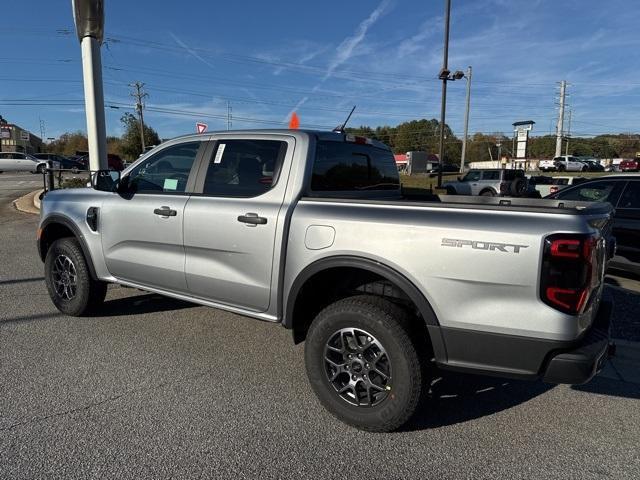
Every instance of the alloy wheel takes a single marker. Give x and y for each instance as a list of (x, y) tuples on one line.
[(65, 278), (358, 367)]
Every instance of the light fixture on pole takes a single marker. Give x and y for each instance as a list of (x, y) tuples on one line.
[(89, 19)]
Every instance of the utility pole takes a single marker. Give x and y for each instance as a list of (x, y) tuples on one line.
[(444, 75), (229, 115), (138, 94), (560, 126), (42, 129), (566, 148), (466, 121)]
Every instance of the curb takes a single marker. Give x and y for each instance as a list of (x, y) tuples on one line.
[(29, 203)]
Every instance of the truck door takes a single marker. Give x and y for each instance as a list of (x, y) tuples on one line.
[(231, 223), (141, 226)]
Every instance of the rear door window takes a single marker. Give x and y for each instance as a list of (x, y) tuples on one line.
[(244, 168), (342, 166), (491, 175)]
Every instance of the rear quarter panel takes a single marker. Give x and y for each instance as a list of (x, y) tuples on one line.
[(478, 289)]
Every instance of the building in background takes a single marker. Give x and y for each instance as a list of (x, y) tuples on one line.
[(16, 139)]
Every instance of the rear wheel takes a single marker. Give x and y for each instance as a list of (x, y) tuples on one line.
[(69, 281), (488, 193), (362, 364), (40, 169)]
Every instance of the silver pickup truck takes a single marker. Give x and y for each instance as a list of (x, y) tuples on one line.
[(312, 230)]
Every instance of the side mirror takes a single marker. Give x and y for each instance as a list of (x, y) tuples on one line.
[(105, 180)]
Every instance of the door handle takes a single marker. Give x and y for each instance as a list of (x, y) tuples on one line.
[(252, 219), (165, 212)]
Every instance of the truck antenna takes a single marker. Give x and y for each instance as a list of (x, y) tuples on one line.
[(340, 128)]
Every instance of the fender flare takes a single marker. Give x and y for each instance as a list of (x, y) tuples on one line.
[(491, 189), (68, 223), (423, 305)]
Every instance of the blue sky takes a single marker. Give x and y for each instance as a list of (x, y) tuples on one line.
[(320, 58)]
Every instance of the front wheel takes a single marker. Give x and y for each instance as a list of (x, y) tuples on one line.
[(69, 281), (363, 365)]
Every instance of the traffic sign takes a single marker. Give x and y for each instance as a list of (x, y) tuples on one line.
[(201, 127)]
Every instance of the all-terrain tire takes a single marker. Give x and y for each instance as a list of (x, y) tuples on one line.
[(388, 325), (69, 283)]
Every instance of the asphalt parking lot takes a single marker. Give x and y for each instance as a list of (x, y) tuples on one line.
[(157, 388)]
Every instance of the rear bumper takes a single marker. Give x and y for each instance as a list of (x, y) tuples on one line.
[(572, 362), (582, 362)]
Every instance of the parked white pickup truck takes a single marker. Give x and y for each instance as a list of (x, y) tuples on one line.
[(565, 163), (548, 185)]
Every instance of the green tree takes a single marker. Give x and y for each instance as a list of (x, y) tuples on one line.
[(69, 143), (130, 145)]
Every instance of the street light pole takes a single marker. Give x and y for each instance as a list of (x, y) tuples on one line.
[(89, 20), (444, 75), (466, 121)]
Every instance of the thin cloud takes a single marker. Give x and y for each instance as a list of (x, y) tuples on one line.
[(191, 51), (346, 48)]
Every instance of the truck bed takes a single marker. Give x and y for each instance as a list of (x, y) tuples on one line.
[(532, 205)]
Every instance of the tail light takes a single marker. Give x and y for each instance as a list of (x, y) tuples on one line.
[(553, 189), (570, 271)]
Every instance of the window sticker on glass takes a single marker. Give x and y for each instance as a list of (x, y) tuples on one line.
[(170, 184), (219, 153)]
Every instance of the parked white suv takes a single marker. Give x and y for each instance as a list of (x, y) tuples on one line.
[(565, 163), (23, 162), (490, 182)]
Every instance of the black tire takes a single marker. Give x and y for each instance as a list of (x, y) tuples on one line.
[(40, 169), (397, 396), (585, 169), (451, 191), (76, 298), (562, 168), (487, 193)]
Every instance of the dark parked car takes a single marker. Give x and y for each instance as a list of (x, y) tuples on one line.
[(65, 163), (623, 192), (446, 168), (630, 165), (592, 164), (114, 161)]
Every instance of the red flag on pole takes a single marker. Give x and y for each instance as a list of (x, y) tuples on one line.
[(294, 123)]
